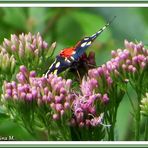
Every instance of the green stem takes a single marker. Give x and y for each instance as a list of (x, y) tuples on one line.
[(137, 117), (112, 132), (131, 102), (112, 120), (137, 130), (49, 137)]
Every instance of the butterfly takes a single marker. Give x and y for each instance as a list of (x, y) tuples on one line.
[(68, 56)]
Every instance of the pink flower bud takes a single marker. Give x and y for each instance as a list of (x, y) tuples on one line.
[(128, 62), (52, 105), (66, 105), (13, 48), (15, 97), (59, 107), (124, 67), (29, 96), (63, 91), (58, 99), (23, 96), (8, 86), (113, 53), (7, 42), (55, 117), (34, 93), (21, 78), (105, 98), (32, 74), (81, 124), (13, 83), (7, 96), (46, 90), (109, 81), (9, 92), (45, 45), (68, 83), (23, 69), (143, 64), (44, 98), (62, 112)]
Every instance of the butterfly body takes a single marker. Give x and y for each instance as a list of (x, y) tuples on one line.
[(68, 56)]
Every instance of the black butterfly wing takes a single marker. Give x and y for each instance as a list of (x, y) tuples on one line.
[(59, 65), (87, 41), (62, 63)]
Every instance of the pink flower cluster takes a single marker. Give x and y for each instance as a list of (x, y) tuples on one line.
[(96, 87), (85, 111), (123, 63), (53, 91), (24, 45), (132, 59), (87, 105)]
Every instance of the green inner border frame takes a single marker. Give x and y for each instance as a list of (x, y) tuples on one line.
[(73, 144), (42, 144), (72, 1)]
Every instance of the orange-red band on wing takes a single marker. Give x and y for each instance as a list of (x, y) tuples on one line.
[(67, 52)]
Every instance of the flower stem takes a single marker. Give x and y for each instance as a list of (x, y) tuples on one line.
[(131, 102), (137, 130), (112, 132), (137, 117), (112, 120)]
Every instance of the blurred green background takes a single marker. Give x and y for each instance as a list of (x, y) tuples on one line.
[(66, 26)]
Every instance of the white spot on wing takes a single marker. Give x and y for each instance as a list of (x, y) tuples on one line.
[(93, 35), (55, 71), (85, 39), (72, 58), (46, 75), (103, 27), (73, 52), (53, 64), (83, 44), (67, 60), (57, 65), (89, 43)]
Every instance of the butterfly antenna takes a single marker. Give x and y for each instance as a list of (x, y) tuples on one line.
[(109, 22), (102, 29)]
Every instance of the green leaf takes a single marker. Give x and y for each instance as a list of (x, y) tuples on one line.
[(3, 115), (15, 17)]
